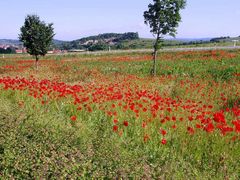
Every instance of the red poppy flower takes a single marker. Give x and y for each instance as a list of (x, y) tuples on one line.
[(115, 128), (209, 127), (144, 124), (164, 141), (146, 138), (163, 132), (125, 123), (190, 130), (74, 118)]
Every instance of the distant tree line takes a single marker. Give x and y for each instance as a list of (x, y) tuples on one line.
[(219, 39), (116, 37), (9, 50)]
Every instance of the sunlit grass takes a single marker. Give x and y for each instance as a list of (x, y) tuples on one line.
[(95, 116)]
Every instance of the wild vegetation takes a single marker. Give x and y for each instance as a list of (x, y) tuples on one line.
[(103, 115)]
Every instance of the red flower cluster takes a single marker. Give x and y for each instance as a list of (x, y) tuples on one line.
[(141, 106)]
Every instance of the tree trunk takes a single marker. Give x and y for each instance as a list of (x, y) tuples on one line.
[(36, 63), (154, 68)]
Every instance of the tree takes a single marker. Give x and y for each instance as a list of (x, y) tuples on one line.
[(163, 17), (9, 50), (36, 36), (100, 46)]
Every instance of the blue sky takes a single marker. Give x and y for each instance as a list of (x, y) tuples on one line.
[(74, 19)]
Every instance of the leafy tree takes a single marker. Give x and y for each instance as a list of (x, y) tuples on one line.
[(36, 36), (163, 17), (100, 46), (9, 50)]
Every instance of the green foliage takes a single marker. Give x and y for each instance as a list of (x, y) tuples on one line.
[(98, 47), (36, 35), (115, 36), (7, 51), (163, 16)]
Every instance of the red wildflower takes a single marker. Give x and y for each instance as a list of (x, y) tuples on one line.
[(209, 127), (174, 118), (115, 128), (210, 106), (163, 132), (190, 118), (174, 126), (164, 141), (125, 123), (226, 129), (146, 138), (198, 126), (74, 118), (219, 117), (237, 125), (190, 130), (144, 124)]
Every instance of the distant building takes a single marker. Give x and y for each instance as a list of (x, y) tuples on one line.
[(4, 46), (50, 52), (57, 51), (76, 50), (21, 51)]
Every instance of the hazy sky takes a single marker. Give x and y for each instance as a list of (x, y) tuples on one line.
[(74, 19)]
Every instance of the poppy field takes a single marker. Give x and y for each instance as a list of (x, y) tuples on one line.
[(103, 115)]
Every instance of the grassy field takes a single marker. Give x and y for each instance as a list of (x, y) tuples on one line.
[(144, 43), (103, 116)]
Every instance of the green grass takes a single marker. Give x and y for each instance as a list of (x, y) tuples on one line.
[(41, 142), (46, 145)]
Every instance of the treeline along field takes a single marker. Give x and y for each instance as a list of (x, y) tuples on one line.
[(92, 116)]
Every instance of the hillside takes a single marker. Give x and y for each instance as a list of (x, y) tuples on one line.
[(17, 42), (10, 42), (98, 42), (101, 41), (225, 39), (129, 40)]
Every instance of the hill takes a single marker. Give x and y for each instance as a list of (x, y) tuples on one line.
[(225, 39), (10, 42), (17, 42), (101, 41), (129, 40)]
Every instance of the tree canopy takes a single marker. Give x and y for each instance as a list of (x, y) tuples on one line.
[(36, 36)]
